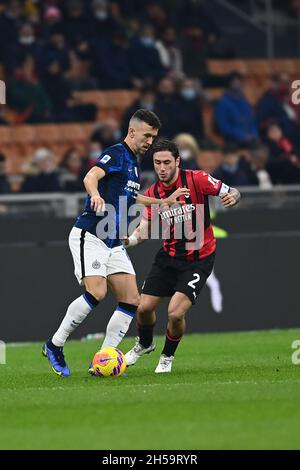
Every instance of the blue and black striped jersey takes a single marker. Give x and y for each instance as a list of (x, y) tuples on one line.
[(119, 189)]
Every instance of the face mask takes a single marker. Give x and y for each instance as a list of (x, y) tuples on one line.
[(147, 41), (230, 168), (27, 40), (101, 15), (188, 93), (185, 154)]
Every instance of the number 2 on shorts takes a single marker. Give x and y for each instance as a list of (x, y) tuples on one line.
[(194, 281)]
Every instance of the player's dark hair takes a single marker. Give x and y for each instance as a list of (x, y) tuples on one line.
[(148, 117), (165, 145)]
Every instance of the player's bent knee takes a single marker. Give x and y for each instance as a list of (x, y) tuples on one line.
[(176, 315), (144, 308), (99, 294)]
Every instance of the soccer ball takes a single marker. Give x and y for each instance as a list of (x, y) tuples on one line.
[(109, 362)]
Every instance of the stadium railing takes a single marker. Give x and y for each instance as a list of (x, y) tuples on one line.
[(70, 205)]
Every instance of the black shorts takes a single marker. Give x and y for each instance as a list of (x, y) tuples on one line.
[(169, 275)]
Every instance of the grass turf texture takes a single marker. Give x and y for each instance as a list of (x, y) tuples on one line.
[(227, 391)]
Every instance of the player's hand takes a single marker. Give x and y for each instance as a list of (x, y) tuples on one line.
[(228, 200), (97, 203), (174, 196)]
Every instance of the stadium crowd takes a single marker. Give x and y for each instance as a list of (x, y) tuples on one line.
[(50, 51)]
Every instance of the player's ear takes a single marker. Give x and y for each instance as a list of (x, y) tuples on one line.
[(177, 162), (131, 132)]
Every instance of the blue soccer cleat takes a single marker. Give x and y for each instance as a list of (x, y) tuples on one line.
[(56, 358), (91, 369)]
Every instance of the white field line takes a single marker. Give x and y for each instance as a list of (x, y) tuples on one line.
[(176, 384)]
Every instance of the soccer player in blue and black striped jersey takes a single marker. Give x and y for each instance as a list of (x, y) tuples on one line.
[(99, 256)]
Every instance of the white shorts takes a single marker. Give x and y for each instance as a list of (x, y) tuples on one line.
[(93, 258)]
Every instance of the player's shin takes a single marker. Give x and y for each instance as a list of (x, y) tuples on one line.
[(174, 333), (171, 344), (145, 334), (118, 324), (77, 311)]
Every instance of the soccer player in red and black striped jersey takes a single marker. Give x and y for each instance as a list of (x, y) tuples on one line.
[(185, 261)]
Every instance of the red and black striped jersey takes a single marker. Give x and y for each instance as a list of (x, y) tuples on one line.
[(186, 229)]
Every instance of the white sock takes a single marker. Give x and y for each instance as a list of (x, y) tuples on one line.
[(117, 327), (76, 313)]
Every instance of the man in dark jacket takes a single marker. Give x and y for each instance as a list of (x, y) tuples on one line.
[(234, 115)]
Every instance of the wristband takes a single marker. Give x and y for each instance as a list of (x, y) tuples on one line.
[(132, 241)]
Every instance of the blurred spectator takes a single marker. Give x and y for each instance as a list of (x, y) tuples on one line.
[(72, 171), (93, 151), (66, 104), (284, 161), (108, 133), (167, 107), (190, 116), (193, 13), (56, 50), (234, 169), (27, 95), (77, 22), (193, 51), (146, 100), (41, 175), (234, 115), (25, 45), (188, 150), (4, 184), (52, 21), (112, 62), (157, 16), (81, 74), (275, 105), (11, 18), (133, 26), (103, 21), (258, 159), (169, 52), (145, 63), (210, 156), (31, 10)]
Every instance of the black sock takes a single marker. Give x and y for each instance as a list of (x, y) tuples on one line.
[(145, 333), (171, 344), (52, 346)]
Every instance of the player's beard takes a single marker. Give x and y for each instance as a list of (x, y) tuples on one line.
[(170, 178)]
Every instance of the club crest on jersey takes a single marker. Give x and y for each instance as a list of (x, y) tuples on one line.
[(105, 159), (96, 264)]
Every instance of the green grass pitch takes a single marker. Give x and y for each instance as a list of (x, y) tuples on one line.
[(227, 391)]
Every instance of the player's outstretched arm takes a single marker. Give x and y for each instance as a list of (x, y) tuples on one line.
[(91, 181), (140, 235), (172, 199), (231, 198)]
